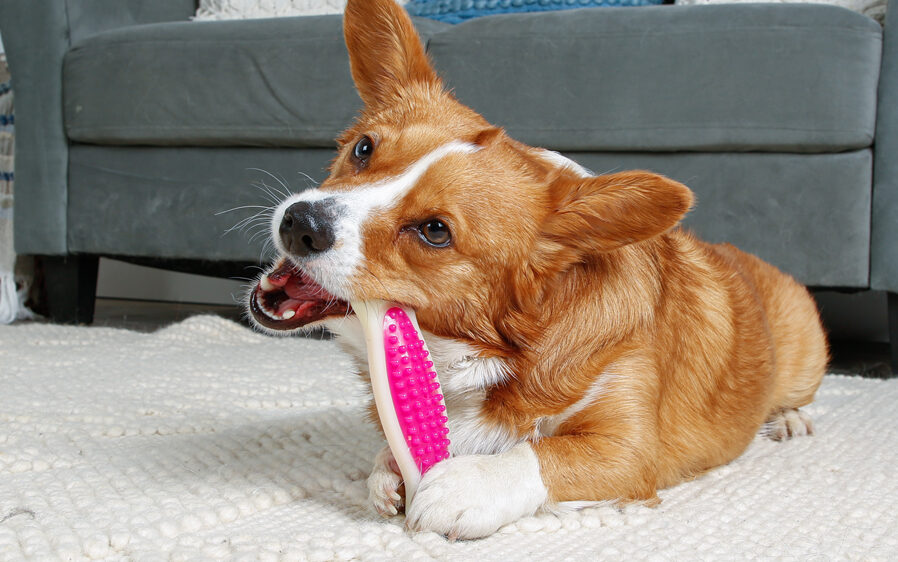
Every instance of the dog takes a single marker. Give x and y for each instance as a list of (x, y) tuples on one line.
[(589, 348)]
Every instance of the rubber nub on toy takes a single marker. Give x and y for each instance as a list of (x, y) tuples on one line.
[(406, 390)]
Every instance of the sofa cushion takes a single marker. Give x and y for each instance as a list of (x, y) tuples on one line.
[(796, 78), (806, 213), (764, 77), (266, 82)]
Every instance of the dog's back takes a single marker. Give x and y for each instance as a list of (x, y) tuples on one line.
[(732, 343)]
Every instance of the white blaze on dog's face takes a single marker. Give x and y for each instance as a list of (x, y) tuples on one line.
[(344, 215)]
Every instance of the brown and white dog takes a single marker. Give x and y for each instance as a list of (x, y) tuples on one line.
[(589, 349)]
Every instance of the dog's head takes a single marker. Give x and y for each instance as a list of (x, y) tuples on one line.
[(429, 205)]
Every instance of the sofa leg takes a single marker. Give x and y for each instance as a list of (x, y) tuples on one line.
[(893, 331), (70, 285)]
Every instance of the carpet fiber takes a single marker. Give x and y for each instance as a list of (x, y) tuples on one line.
[(205, 440)]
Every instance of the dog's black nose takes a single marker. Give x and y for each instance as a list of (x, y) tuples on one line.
[(306, 228)]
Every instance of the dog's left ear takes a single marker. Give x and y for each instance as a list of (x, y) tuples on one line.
[(603, 213), (590, 216), (385, 53)]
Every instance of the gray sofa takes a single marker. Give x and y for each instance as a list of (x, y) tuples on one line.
[(136, 126)]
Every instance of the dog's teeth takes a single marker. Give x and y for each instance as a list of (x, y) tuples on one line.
[(288, 314), (266, 284)]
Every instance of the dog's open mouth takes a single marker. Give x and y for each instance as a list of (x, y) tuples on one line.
[(286, 299)]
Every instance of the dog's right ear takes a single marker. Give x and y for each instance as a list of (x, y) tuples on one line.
[(385, 53)]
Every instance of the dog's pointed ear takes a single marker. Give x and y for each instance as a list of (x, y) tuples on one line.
[(385, 53), (603, 213), (594, 215)]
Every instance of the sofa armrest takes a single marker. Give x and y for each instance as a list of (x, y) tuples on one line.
[(36, 36), (884, 236)]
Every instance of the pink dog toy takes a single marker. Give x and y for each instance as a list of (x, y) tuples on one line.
[(406, 390)]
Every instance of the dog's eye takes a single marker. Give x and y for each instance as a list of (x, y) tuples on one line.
[(363, 149), (435, 232)]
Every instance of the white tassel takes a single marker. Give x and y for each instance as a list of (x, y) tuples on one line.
[(12, 302), (9, 300)]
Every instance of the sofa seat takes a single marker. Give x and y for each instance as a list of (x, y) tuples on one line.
[(648, 79), (271, 82)]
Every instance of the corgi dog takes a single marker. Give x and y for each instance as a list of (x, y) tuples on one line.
[(589, 348)]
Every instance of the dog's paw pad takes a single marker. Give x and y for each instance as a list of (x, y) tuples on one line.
[(787, 423)]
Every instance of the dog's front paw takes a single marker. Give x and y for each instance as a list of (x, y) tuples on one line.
[(384, 483), (472, 496)]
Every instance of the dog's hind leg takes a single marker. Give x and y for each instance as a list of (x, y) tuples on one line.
[(799, 344), (788, 423), (801, 356)]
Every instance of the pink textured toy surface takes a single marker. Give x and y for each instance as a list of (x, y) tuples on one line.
[(416, 393)]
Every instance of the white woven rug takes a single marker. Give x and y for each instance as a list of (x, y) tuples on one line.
[(207, 441)]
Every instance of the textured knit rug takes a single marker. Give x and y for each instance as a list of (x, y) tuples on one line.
[(206, 441)]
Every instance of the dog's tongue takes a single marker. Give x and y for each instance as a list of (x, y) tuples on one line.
[(302, 293)]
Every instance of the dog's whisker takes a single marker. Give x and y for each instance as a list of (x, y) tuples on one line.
[(243, 223), (257, 236), (309, 180), (269, 192), (287, 191), (256, 232), (262, 209), (261, 226), (242, 207), (266, 247), (262, 218)]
